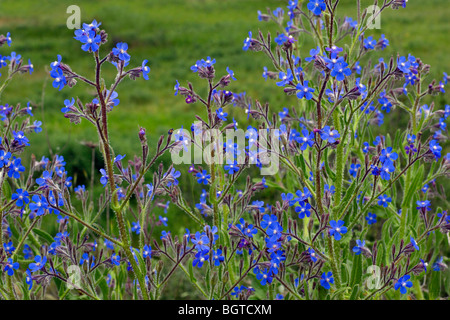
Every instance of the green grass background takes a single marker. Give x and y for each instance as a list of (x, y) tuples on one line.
[(172, 35)]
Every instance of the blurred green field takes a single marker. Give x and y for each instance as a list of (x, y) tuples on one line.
[(172, 35)]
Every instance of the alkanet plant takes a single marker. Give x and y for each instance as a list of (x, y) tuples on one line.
[(357, 210)]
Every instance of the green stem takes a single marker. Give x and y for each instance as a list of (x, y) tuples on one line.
[(339, 164), (333, 262), (10, 288)]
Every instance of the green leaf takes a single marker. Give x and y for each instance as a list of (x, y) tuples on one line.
[(347, 196), (381, 254), (301, 163), (435, 285), (25, 291), (356, 276), (330, 173), (338, 292), (6, 190), (414, 186), (447, 281), (398, 140), (355, 292), (385, 231), (274, 185), (44, 235), (104, 288), (191, 273)]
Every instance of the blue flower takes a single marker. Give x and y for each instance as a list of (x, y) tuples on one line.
[(9, 247), (163, 220), (173, 175), (247, 41), (330, 135), (414, 244), (208, 62), (8, 39), (145, 70), (136, 227), (249, 231), (439, 264), (201, 241), (387, 156), (38, 263), (39, 205), (385, 103), (121, 51), (15, 168), (200, 258), (340, 70), (371, 218), (3, 61), (27, 253), (304, 91), (326, 279), (359, 245), (60, 80), (424, 205), (337, 229), (4, 158), (147, 251), (274, 231), (85, 258), (218, 257), (354, 168), (267, 220), (403, 65), (302, 195), (37, 126), (403, 283), (10, 266), (383, 42), (384, 200), (316, 6), (313, 53), (285, 78), (109, 244), (20, 138), (29, 279), (280, 39), (91, 41), (115, 259), (231, 167), (435, 148), (264, 276), (104, 177), (176, 87), (21, 197), (221, 114), (329, 189), (370, 43), (303, 210), (312, 254), (276, 259), (307, 140), (203, 177), (351, 23), (385, 171), (91, 26)]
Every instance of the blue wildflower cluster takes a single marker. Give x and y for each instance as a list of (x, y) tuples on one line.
[(345, 192)]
